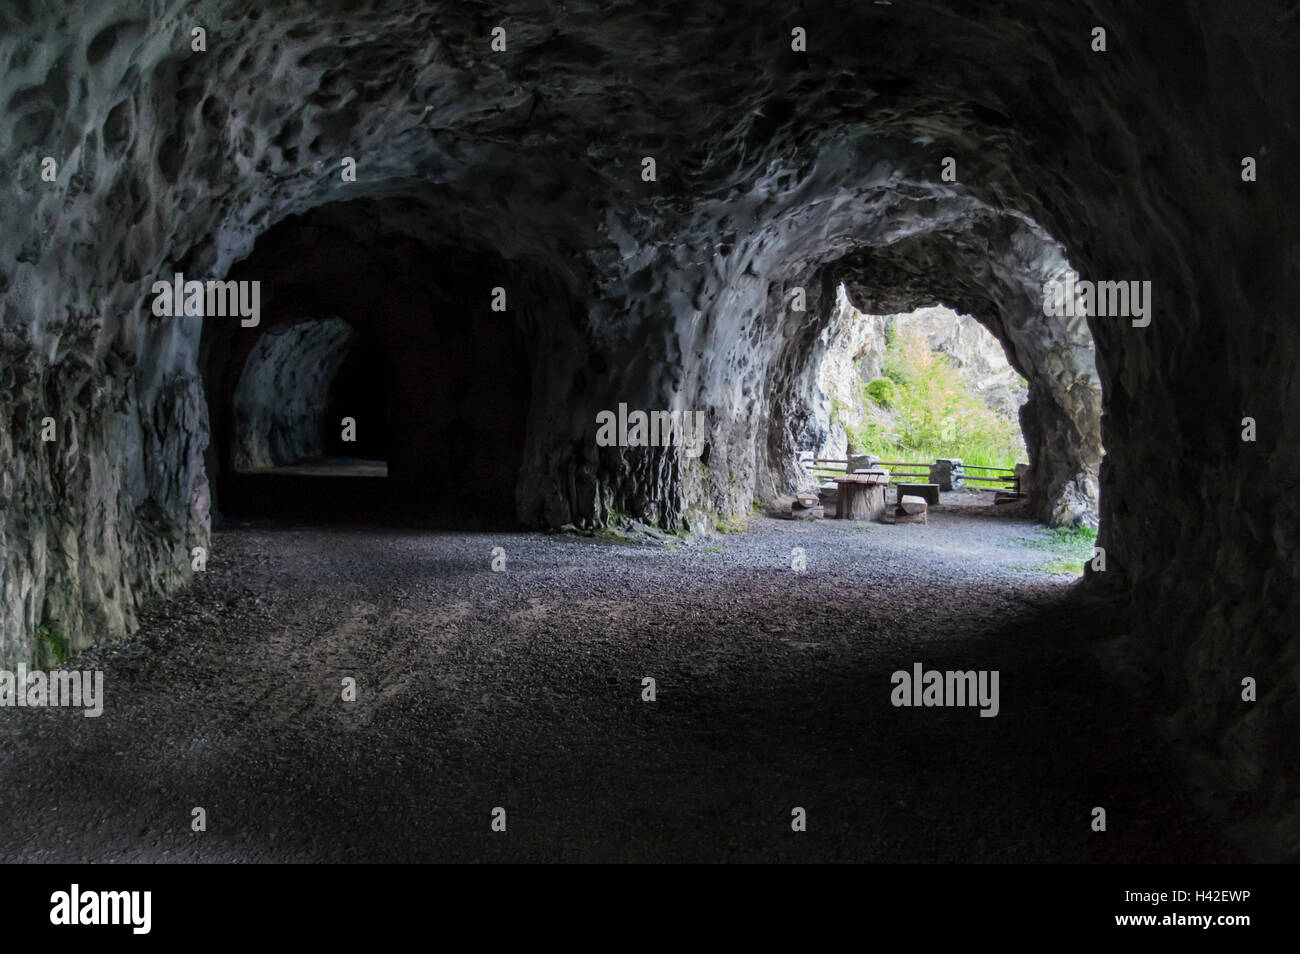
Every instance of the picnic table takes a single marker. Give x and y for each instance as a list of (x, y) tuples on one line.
[(862, 496)]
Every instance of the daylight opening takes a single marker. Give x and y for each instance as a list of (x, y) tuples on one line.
[(925, 397), (925, 410)]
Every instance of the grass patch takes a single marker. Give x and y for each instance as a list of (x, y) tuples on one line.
[(1067, 541), (1062, 567), (722, 526), (1072, 547), (51, 646)]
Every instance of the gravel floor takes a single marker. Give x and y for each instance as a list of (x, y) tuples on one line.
[(522, 689)]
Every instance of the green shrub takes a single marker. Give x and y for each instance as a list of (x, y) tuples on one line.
[(896, 373), (936, 415), (882, 392)]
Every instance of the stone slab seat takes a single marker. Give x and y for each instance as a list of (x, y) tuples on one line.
[(911, 509), (927, 492)]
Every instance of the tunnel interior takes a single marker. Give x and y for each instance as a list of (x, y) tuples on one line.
[(408, 403), (473, 253), (357, 391)]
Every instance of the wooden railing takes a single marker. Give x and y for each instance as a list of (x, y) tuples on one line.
[(1004, 477), (1007, 476), (894, 472)]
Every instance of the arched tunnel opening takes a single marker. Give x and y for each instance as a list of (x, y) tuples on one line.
[(376, 385), (933, 394), (373, 396)]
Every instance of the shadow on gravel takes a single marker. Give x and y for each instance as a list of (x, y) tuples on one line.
[(774, 693), (710, 774)]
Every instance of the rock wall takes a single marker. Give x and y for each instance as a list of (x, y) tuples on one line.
[(282, 395), (976, 354), (853, 355)]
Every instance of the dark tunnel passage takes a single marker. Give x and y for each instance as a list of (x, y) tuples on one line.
[(357, 392), (360, 342), (412, 370)]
